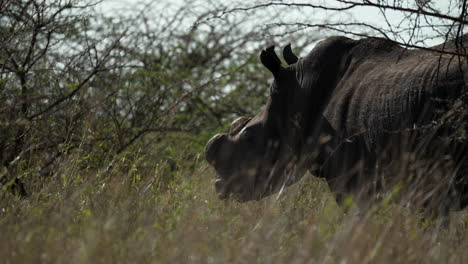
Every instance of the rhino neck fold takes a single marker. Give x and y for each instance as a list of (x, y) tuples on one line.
[(306, 122)]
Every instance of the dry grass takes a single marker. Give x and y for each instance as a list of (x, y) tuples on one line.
[(153, 215)]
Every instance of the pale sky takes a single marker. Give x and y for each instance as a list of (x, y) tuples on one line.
[(307, 15)]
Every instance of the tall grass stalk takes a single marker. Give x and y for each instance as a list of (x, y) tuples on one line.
[(135, 213)]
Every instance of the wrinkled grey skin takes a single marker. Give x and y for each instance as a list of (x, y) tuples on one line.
[(335, 112)]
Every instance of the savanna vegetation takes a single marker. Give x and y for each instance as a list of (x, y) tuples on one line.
[(104, 116)]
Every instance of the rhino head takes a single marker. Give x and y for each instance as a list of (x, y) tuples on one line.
[(259, 155)]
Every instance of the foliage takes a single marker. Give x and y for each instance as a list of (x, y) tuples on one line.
[(75, 81)]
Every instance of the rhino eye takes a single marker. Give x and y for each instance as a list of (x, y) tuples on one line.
[(251, 134), (248, 135)]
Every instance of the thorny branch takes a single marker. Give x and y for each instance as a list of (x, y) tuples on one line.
[(412, 13)]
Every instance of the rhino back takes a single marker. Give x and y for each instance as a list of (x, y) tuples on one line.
[(387, 88)]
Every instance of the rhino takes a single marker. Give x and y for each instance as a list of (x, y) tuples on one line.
[(344, 110)]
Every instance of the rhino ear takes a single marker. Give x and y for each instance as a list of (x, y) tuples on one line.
[(288, 55), (271, 61)]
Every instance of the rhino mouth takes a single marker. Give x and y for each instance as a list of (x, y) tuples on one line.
[(242, 188), (235, 190), (252, 186)]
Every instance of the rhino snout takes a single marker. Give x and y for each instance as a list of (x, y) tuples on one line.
[(212, 148)]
